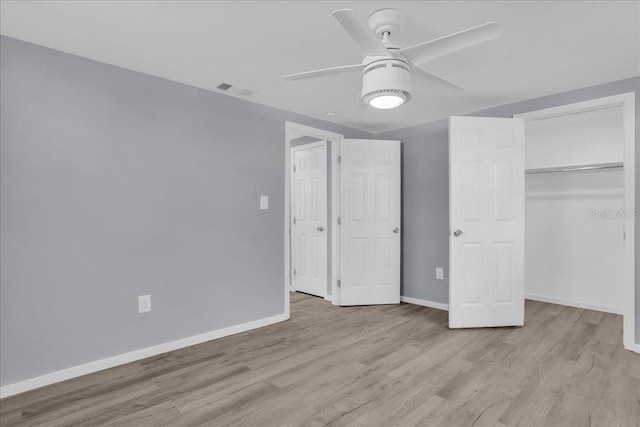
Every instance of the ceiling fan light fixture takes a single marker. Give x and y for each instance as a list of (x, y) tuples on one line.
[(385, 84), (385, 65), (386, 101)]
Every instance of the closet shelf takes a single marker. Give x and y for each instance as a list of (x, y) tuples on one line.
[(593, 166)]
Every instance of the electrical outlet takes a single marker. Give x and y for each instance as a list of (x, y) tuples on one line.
[(144, 304), (264, 202), (439, 273)]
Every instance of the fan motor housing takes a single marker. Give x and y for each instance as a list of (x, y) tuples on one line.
[(386, 77)]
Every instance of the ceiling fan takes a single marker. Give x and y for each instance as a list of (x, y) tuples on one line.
[(386, 68)]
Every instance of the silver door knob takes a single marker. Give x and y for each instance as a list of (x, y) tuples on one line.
[(457, 233), (320, 228), (396, 230)]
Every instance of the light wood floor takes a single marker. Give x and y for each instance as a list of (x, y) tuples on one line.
[(366, 366)]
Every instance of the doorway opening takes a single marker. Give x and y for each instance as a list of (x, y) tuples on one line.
[(487, 187), (355, 258), (580, 204), (297, 136)]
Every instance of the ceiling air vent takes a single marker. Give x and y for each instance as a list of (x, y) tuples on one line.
[(233, 89)]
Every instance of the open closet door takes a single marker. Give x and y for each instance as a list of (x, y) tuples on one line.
[(369, 222), (486, 219)]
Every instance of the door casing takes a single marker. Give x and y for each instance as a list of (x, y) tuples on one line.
[(294, 131)]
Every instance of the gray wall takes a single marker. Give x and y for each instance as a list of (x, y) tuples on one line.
[(426, 190), (116, 184)]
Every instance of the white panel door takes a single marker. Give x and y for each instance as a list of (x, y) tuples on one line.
[(486, 217), (309, 236), (370, 222)]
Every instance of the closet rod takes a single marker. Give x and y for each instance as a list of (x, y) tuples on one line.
[(595, 166)]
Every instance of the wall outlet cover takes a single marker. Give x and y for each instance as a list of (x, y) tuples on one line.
[(144, 304), (439, 273), (264, 202)]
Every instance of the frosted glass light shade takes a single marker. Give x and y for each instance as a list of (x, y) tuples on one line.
[(385, 102)]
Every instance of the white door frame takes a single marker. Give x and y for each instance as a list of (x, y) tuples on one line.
[(627, 102), (336, 146), (293, 131), (293, 150)]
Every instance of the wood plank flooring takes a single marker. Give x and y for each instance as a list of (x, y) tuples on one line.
[(396, 365)]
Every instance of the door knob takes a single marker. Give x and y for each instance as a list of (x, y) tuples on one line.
[(457, 233), (396, 230), (320, 228)]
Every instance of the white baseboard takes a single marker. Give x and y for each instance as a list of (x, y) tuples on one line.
[(425, 303), (572, 303), (110, 362), (633, 347)]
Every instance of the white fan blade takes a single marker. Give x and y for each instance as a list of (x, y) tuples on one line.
[(423, 52), (323, 72), (429, 78), (360, 32)]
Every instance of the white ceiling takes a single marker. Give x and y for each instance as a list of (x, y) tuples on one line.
[(546, 47)]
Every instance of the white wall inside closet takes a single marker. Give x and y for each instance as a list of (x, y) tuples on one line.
[(574, 227)]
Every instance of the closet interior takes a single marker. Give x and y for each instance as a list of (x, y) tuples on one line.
[(574, 209)]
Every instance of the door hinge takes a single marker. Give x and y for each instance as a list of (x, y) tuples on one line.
[(339, 159), (294, 168), (294, 271), (339, 284), (339, 221), (294, 219)]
